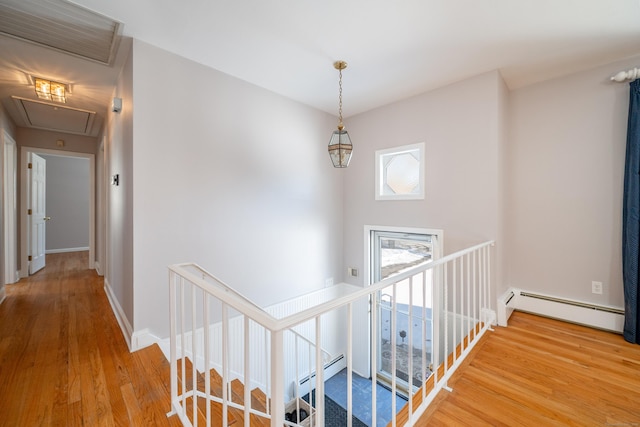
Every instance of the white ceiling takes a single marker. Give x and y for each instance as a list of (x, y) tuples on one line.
[(395, 49)]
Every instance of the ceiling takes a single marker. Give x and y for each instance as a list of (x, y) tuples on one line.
[(395, 49)]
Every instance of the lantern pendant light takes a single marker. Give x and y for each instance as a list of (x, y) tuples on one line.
[(340, 146)]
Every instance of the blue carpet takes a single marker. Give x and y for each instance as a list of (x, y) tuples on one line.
[(336, 388)]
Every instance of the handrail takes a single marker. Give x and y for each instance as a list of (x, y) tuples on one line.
[(234, 298), (460, 296), (310, 313), (308, 341), (244, 305)]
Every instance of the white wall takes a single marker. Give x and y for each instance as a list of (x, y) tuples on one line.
[(118, 159), (237, 179), (565, 183), (101, 213), (232, 177), (463, 131), (67, 203)]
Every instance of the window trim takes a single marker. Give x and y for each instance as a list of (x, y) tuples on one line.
[(380, 182)]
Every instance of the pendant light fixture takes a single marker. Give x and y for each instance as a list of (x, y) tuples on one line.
[(340, 146)]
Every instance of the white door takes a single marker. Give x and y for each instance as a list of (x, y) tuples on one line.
[(391, 253), (37, 217)]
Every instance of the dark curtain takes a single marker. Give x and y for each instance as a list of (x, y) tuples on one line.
[(631, 220)]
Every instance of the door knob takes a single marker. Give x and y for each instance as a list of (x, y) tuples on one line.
[(47, 218)]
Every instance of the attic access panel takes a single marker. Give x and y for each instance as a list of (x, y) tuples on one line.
[(55, 117), (62, 26)]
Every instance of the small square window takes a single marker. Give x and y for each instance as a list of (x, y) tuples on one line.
[(400, 173)]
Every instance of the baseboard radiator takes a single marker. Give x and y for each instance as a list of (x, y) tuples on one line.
[(584, 313), (331, 368)]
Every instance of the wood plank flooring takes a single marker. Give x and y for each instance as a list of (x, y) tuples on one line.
[(542, 372), (63, 360)]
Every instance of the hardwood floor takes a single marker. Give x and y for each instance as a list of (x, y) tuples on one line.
[(63, 360), (542, 372)]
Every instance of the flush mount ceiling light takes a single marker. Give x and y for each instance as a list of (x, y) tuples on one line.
[(340, 146), (50, 90)]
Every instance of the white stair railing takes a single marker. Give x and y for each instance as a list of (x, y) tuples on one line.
[(431, 318)]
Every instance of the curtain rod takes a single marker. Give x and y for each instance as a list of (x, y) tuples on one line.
[(622, 76)]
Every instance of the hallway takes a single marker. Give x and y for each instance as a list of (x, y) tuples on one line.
[(64, 361)]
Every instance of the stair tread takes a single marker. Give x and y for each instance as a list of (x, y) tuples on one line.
[(235, 416)]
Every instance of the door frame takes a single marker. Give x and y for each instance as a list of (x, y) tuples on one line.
[(24, 200), (9, 207), (409, 230), (438, 250)]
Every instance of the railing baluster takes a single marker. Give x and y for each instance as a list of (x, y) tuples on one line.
[(423, 326), (225, 364), (481, 295), (484, 282), (194, 376), (459, 314), (247, 372), (309, 383), (182, 346), (488, 307), (295, 361), (394, 326), (349, 365), (207, 361), (444, 313), (460, 294), (473, 287), (173, 278), (409, 350), (319, 374), (455, 310), (373, 307), (267, 363), (438, 291), (469, 297)]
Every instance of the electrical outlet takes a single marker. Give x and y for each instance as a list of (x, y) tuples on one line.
[(329, 282), (596, 288), (353, 272)]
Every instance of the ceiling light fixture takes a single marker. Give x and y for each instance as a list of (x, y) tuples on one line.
[(340, 146), (50, 90)]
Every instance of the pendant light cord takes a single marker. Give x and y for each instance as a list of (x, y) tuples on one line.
[(340, 125)]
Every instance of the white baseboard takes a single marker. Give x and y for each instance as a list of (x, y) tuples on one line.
[(142, 339), (135, 340), (15, 278), (125, 326), (588, 314), (64, 250), (98, 268)]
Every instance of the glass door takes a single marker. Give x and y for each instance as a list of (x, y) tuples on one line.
[(393, 253)]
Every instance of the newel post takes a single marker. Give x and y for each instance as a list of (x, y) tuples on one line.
[(277, 379)]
